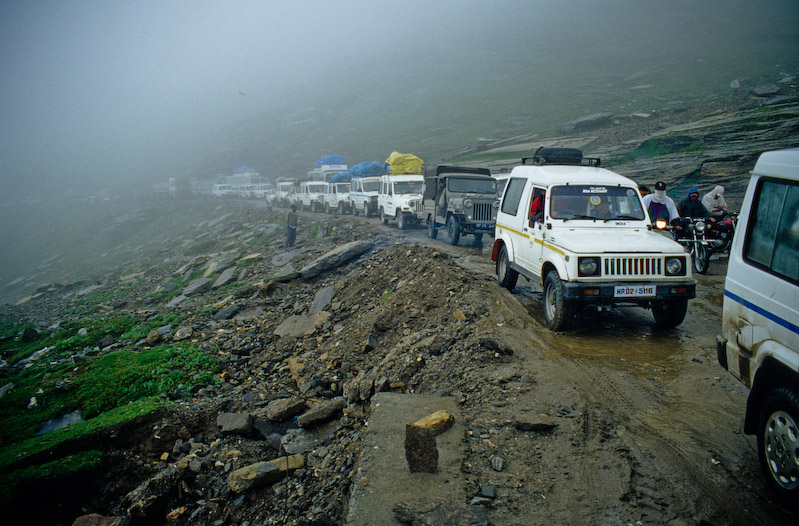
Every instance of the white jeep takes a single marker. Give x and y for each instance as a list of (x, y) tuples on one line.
[(400, 198), (581, 233)]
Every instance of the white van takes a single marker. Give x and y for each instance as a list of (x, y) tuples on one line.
[(759, 341)]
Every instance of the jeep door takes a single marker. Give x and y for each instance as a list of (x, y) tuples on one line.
[(534, 223), (514, 211)]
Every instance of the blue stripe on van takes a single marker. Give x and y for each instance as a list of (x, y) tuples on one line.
[(763, 312)]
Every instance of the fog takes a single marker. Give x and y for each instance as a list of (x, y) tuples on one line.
[(117, 95)]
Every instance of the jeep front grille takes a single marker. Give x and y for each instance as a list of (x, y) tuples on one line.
[(482, 212), (633, 266)]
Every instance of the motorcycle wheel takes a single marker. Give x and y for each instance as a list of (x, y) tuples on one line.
[(701, 258)]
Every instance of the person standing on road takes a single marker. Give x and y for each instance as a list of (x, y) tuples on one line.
[(291, 226)]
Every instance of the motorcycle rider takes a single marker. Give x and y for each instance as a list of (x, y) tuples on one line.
[(692, 206), (714, 201), (660, 206)]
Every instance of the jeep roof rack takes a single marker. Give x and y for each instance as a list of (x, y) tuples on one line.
[(446, 168), (569, 156)]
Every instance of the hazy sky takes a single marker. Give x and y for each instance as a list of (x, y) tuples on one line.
[(96, 90)]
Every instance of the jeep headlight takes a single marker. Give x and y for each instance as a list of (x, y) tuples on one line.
[(588, 266), (467, 203), (700, 226), (675, 266)]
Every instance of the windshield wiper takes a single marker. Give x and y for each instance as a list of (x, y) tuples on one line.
[(623, 218), (577, 217)]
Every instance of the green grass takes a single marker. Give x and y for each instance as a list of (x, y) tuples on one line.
[(98, 385), (140, 330), (313, 233), (386, 295), (84, 461), (64, 340)]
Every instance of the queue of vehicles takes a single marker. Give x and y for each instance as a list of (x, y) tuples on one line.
[(582, 234)]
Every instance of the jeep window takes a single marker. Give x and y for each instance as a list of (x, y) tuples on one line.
[(371, 186), (513, 195), (537, 206), (501, 186), (595, 202), (318, 188), (471, 185), (408, 187), (773, 242), (342, 188)]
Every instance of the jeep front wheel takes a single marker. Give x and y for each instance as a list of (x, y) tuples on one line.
[(557, 310), (432, 228), (402, 223), (454, 230), (778, 444), (383, 218), (669, 313), (506, 276)]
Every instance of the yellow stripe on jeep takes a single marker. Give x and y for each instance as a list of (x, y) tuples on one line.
[(550, 247), (514, 231)]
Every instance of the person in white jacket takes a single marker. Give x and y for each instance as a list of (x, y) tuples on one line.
[(714, 200)]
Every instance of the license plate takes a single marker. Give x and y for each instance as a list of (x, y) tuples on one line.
[(633, 291)]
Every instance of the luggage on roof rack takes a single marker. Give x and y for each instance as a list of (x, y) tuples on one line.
[(570, 156)]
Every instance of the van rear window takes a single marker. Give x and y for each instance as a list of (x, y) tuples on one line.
[(773, 237)]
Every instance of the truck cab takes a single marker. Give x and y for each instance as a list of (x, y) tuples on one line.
[(337, 198), (581, 233)]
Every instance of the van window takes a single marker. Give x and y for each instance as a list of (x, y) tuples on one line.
[(513, 195), (773, 240)]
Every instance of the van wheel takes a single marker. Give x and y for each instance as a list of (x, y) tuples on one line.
[(383, 218), (454, 230), (432, 228), (341, 208), (669, 313), (778, 444), (402, 223), (506, 276)]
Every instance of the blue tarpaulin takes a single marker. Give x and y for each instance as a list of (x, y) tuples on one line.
[(243, 170), (368, 169), (343, 177), (329, 159)]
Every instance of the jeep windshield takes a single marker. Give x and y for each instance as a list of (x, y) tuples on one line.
[(371, 186), (317, 188), (471, 185), (408, 187), (595, 202)]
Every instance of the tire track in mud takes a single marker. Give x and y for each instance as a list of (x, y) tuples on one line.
[(650, 449)]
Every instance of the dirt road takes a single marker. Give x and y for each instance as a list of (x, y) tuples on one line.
[(648, 424)]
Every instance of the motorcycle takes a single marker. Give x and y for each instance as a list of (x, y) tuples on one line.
[(720, 232), (691, 235)]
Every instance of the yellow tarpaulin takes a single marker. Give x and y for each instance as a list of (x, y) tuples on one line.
[(404, 163)]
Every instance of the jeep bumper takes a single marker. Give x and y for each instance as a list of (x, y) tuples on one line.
[(605, 293)]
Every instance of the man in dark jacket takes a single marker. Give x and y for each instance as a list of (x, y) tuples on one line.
[(692, 206), (291, 226)]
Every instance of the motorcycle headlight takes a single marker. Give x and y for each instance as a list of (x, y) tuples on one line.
[(467, 203), (675, 266), (700, 226), (588, 266)]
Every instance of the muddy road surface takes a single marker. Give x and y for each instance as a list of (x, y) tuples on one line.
[(649, 426)]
